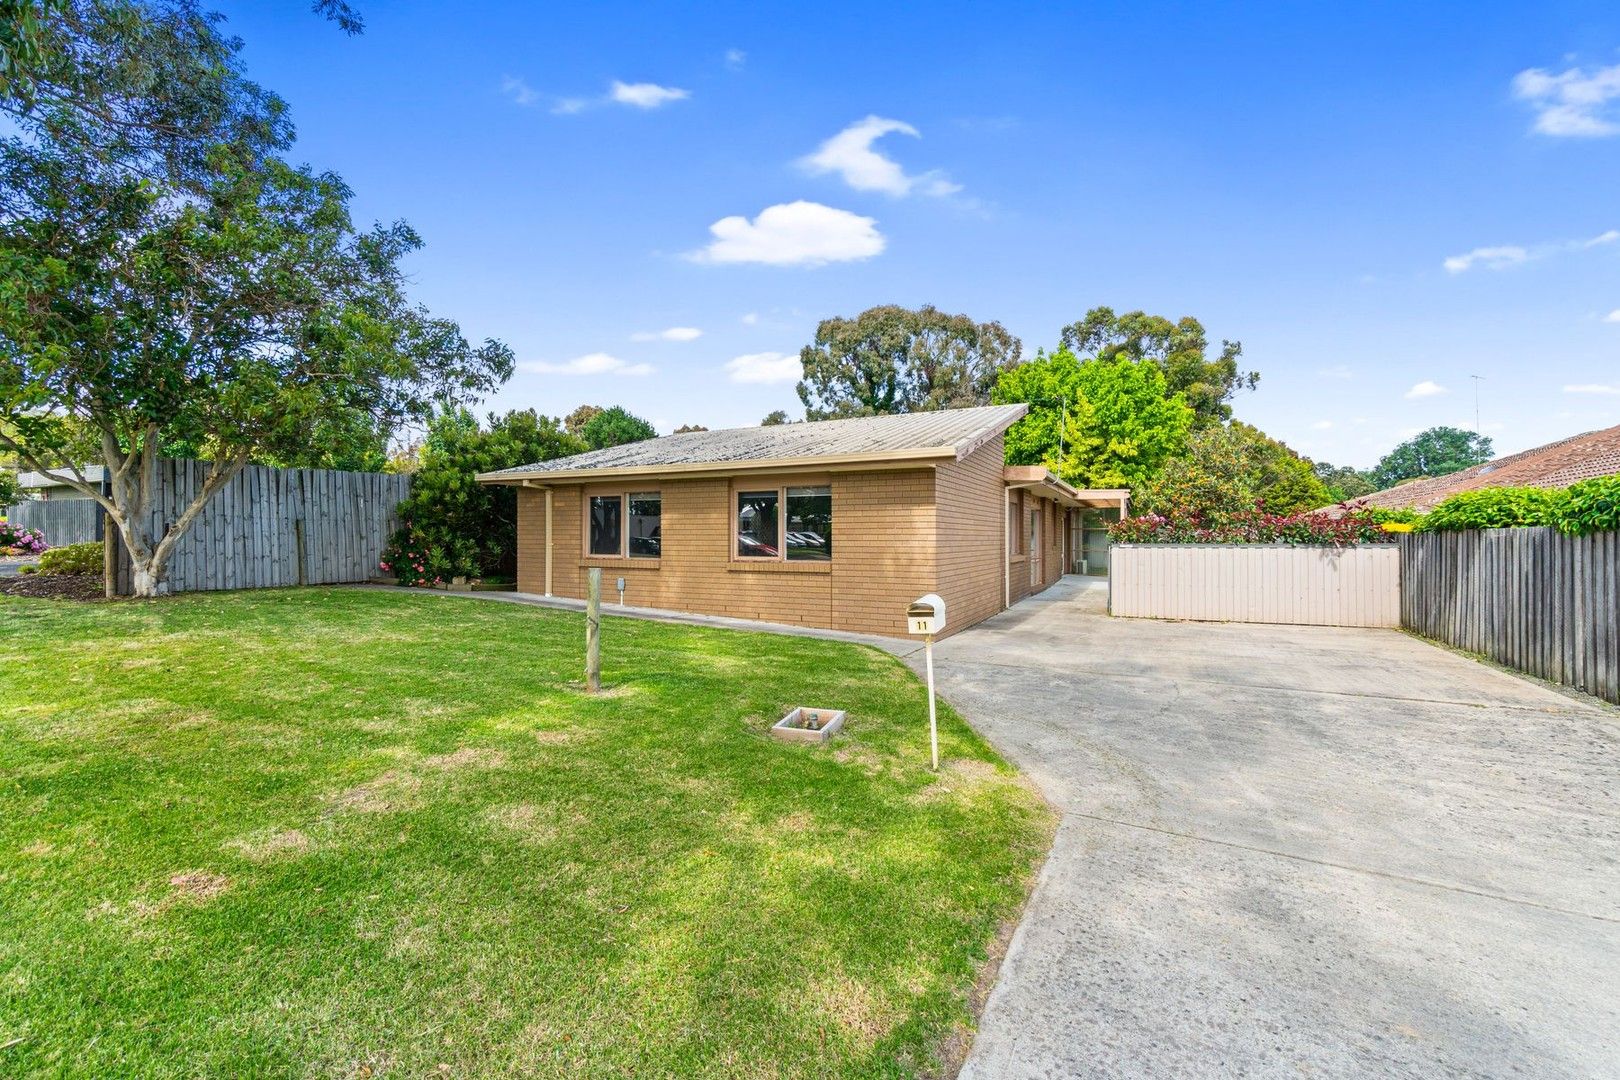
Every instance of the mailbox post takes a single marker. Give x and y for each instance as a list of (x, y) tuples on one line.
[(926, 617)]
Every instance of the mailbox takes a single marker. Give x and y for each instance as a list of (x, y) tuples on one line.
[(926, 615)]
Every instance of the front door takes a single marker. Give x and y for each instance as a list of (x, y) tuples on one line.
[(1034, 548)]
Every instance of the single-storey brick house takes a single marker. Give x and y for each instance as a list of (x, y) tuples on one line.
[(837, 524)]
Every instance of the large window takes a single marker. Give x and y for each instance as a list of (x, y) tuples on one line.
[(791, 523), (607, 512), (608, 536), (646, 511), (756, 525), (809, 523)]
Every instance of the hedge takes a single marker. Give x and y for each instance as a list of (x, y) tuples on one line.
[(1585, 507)]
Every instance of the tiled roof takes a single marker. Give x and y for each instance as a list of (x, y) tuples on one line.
[(1556, 465), (951, 432)]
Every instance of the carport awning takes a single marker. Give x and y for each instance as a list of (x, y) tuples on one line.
[(1043, 481)]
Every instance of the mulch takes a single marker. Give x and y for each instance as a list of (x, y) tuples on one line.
[(55, 586)]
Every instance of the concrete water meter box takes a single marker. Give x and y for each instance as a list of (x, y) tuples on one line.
[(809, 725)]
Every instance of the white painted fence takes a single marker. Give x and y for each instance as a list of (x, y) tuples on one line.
[(1260, 583)]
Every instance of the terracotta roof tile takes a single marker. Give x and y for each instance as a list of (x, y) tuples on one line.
[(1556, 465)]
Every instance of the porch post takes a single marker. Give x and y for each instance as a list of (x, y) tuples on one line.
[(548, 541), (1006, 546)]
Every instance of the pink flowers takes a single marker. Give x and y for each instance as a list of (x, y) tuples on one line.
[(16, 540)]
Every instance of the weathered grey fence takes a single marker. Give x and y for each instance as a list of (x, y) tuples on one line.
[(63, 521), (1265, 583), (1532, 599), (270, 527)]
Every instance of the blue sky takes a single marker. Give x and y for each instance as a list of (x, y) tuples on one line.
[(589, 177)]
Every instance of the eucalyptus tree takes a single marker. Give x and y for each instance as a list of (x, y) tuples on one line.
[(891, 359), (168, 279)]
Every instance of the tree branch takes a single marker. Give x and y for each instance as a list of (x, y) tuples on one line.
[(220, 475)]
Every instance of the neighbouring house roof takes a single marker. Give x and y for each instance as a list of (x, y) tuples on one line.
[(950, 434), (29, 480), (1556, 465)]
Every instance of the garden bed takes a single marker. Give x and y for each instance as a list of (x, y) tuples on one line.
[(55, 586)]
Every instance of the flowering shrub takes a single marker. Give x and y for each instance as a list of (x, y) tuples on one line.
[(1252, 527), (416, 560), (16, 540)]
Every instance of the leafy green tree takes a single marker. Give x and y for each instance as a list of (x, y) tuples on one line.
[(891, 359), (615, 427), (1343, 482), (1214, 481), (1283, 482), (1180, 349), (1435, 452), (168, 281), (1233, 468), (455, 524), (1097, 423), (774, 418)]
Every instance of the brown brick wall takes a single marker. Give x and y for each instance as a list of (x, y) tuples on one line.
[(971, 535), (883, 554), (897, 534)]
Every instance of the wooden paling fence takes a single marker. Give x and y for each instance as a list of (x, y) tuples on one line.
[(271, 527), (63, 521), (1532, 598)]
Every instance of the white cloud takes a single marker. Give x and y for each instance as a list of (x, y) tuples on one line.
[(765, 367), (793, 234), (596, 363), (1506, 255), (645, 95), (1591, 388), (1491, 258), (1426, 388), (674, 333), (735, 59), (519, 91), (1573, 103), (850, 154), (635, 95)]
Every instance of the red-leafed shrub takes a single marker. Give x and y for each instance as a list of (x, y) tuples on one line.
[(1253, 527)]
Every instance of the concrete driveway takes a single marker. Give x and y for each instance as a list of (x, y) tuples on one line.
[(1296, 851)]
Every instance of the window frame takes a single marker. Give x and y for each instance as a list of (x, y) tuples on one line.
[(779, 487), (623, 495)]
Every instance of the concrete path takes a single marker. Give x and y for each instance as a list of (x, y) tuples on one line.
[(1296, 851)]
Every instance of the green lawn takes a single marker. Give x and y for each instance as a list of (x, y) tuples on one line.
[(344, 833)]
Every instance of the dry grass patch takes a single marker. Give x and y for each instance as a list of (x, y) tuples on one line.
[(288, 843)]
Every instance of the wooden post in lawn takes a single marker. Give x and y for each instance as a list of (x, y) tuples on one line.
[(593, 630)]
